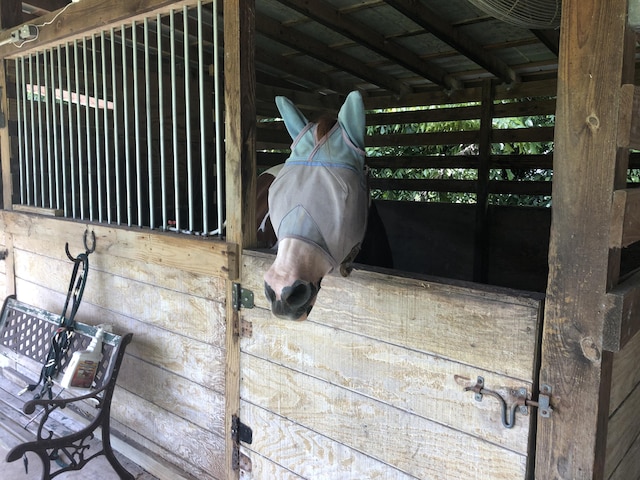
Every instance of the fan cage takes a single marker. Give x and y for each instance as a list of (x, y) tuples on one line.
[(532, 14)]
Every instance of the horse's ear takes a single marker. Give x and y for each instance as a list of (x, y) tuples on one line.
[(293, 118), (351, 117)]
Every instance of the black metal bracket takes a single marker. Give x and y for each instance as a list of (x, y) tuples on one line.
[(242, 298), (239, 433), (4, 254)]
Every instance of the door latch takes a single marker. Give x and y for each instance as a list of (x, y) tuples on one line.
[(521, 403)]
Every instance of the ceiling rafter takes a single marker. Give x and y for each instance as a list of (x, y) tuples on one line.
[(365, 35), (310, 46), (432, 22), (287, 64)]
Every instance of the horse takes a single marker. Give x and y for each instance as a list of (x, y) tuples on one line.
[(317, 207)]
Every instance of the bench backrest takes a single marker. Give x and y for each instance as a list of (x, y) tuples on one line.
[(28, 331)]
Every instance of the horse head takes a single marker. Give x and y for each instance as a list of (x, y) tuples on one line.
[(318, 205)]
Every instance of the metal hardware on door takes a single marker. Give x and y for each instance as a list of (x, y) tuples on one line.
[(521, 403), (2, 116)]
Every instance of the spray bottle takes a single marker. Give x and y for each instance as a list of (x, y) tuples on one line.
[(84, 364)]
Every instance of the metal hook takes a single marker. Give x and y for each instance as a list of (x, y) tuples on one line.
[(88, 249), (93, 241)]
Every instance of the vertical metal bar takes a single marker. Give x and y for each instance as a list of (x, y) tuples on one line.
[(79, 129), (174, 121), (149, 142), (105, 129), (99, 133), (63, 136), (54, 121), (116, 130), (73, 135), (203, 144), (87, 124), (187, 112), (163, 167), (47, 113), (27, 173), (218, 119), (136, 125), (127, 154), (33, 136), (21, 152), (40, 133)]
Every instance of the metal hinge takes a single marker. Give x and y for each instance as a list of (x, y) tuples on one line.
[(521, 402), (241, 297), (240, 433)]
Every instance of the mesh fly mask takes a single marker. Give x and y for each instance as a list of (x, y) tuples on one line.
[(320, 195)]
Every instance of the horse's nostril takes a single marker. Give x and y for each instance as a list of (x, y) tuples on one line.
[(269, 293), (297, 294)]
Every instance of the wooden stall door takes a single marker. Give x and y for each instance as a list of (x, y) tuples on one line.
[(374, 384)]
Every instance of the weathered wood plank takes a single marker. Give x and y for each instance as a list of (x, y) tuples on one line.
[(195, 255), (195, 360), (625, 218), (624, 430), (407, 442), (626, 374), (491, 328), (622, 314), (597, 50), (302, 453), (417, 383), (628, 117), (262, 467), (630, 465), (240, 174), (87, 17), (183, 443), (197, 318)]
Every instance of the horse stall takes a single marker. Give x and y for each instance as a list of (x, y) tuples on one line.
[(500, 345)]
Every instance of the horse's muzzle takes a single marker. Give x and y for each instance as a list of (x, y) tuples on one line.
[(295, 302)]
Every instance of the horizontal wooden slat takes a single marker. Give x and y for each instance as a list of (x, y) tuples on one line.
[(392, 436), (487, 327), (421, 384), (303, 453), (622, 314), (629, 117), (195, 255), (623, 430), (626, 374), (625, 218)]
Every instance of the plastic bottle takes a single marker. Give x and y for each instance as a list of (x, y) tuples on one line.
[(83, 365)]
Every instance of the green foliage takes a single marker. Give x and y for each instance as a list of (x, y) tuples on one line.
[(516, 148)]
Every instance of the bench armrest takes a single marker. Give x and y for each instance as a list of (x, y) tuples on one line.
[(30, 406)]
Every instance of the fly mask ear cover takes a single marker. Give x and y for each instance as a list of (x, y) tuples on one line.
[(320, 195)]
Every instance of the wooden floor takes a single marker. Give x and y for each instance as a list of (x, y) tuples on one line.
[(10, 435), (98, 469)]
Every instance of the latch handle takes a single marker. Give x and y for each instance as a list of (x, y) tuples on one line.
[(522, 403)]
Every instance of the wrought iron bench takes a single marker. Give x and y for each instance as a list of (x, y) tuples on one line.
[(25, 338)]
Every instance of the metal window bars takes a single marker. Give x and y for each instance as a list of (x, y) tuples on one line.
[(125, 126)]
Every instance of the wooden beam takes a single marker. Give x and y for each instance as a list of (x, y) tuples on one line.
[(240, 173), (434, 23), (85, 18), (481, 234), (10, 13), (310, 46), (629, 131), (366, 35), (622, 314), (625, 218), (596, 50)]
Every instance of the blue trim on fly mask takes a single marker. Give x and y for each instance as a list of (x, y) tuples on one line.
[(320, 195)]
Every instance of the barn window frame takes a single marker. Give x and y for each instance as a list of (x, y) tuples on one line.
[(152, 160)]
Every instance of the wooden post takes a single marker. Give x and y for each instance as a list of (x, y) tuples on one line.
[(594, 61), (240, 172), (481, 244), (10, 16)]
